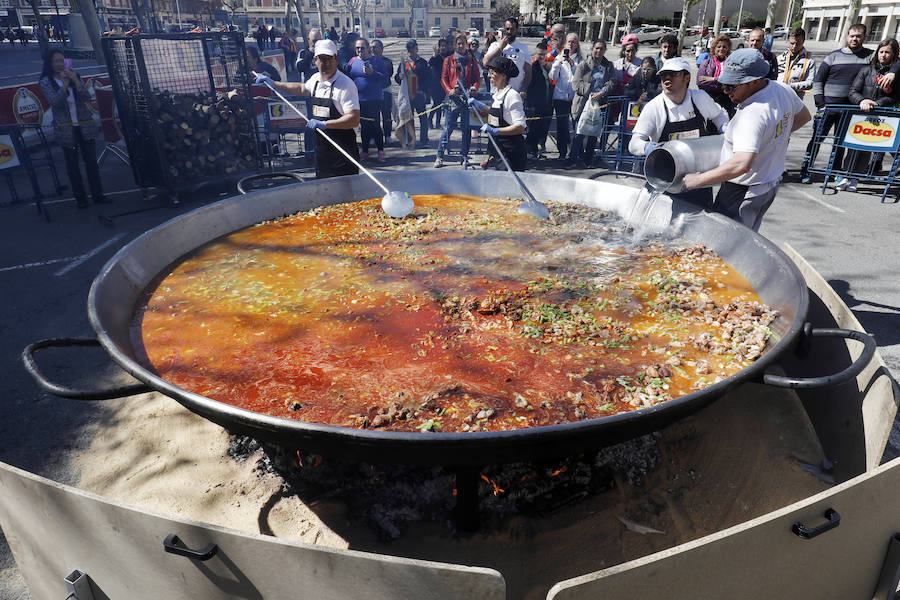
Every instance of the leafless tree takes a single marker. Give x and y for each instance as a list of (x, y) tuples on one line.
[(682, 28), (232, 6), (630, 7), (852, 19)]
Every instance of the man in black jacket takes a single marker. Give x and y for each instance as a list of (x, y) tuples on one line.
[(538, 102)]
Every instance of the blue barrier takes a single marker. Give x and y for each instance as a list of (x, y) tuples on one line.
[(852, 142)]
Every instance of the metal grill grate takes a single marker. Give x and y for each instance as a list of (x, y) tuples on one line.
[(184, 101)]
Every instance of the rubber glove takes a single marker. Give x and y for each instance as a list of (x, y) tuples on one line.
[(488, 129), (650, 147), (263, 79), (473, 103), (722, 128), (313, 124)]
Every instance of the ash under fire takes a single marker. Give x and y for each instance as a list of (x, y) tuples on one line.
[(388, 497)]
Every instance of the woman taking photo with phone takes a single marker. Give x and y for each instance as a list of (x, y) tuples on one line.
[(74, 128)]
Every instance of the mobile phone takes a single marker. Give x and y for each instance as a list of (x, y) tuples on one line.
[(67, 64), (566, 52)]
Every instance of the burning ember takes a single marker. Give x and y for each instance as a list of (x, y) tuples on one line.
[(387, 497)]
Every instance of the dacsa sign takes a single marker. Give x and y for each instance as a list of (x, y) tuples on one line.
[(866, 132), (8, 158)]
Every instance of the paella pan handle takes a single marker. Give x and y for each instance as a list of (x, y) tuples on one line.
[(240, 185), (66, 392), (827, 380)]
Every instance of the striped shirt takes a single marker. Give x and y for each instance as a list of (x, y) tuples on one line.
[(836, 74)]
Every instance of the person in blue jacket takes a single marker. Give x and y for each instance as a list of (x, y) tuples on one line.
[(371, 76)]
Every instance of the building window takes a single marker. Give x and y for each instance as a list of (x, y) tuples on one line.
[(401, 23), (378, 23), (337, 22), (437, 21), (476, 3), (454, 22), (396, 3)]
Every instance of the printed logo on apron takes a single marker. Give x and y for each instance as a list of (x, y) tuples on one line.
[(321, 112), (493, 121)]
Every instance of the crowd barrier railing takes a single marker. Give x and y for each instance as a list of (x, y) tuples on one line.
[(849, 142)]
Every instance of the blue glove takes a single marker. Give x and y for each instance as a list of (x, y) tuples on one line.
[(488, 129), (722, 128), (314, 124), (650, 147), (473, 103), (263, 79)]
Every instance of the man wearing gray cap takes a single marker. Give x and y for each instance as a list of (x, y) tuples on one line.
[(756, 139)]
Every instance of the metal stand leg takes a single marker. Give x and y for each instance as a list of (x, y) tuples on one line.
[(465, 513)]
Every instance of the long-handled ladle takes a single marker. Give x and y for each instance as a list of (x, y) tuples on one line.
[(396, 204), (530, 206)]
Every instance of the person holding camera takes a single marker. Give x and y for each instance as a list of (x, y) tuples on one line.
[(563, 74), (371, 76), (514, 50), (73, 125)]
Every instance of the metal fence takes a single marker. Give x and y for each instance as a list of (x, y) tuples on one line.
[(848, 142), (186, 107)]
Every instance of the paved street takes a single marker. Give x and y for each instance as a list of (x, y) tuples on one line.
[(46, 270)]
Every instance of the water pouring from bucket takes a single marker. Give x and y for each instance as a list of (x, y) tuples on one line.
[(664, 169)]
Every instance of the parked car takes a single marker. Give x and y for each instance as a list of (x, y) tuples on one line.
[(737, 42), (650, 33), (780, 32), (379, 32), (473, 32), (403, 33), (434, 32), (691, 35)]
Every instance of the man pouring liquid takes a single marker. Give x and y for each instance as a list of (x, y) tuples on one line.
[(756, 139), (678, 113), (335, 108)]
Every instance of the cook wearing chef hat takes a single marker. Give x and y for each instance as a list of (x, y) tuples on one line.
[(335, 108), (756, 139)]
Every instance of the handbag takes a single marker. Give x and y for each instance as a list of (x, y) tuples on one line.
[(590, 123)]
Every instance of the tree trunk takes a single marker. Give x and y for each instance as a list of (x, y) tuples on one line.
[(682, 27), (363, 28), (92, 25), (41, 34), (322, 27), (615, 31), (717, 24), (770, 12), (602, 25), (852, 18)]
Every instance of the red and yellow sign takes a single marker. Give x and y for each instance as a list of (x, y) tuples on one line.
[(870, 132), (8, 156), (27, 107)]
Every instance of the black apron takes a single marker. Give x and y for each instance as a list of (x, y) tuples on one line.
[(512, 146), (330, 162), (696, 126)]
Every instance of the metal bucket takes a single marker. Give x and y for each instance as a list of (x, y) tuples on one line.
[(666, 165)]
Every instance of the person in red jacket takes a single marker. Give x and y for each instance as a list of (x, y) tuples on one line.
[(460, 72)]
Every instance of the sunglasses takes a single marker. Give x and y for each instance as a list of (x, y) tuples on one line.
[(730, 88)]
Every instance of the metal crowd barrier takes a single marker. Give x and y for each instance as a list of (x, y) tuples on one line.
[(622, 115), (849, 142)]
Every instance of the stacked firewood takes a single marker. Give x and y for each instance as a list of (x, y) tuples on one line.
[(205, 134)]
